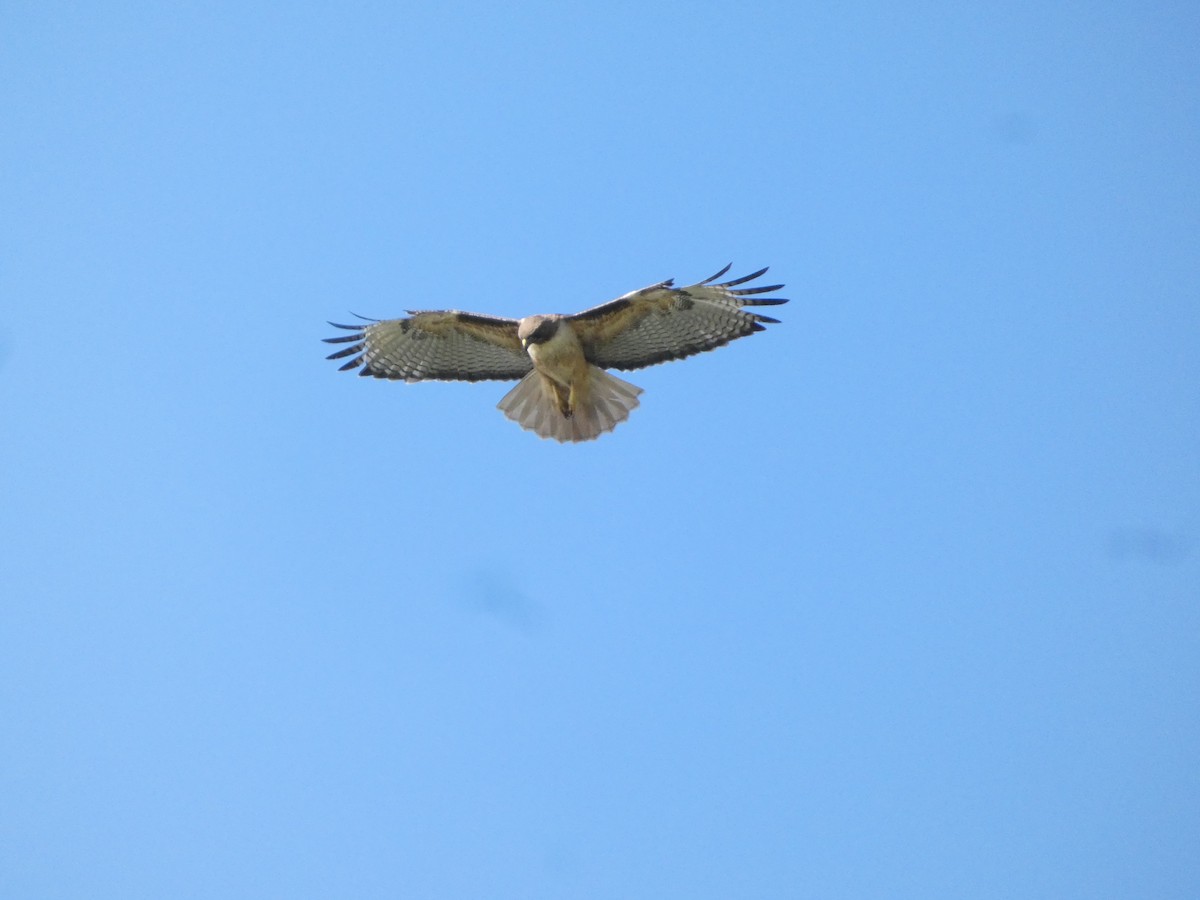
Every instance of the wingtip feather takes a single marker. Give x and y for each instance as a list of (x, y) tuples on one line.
[(345, 351), (760, 289), (710, 279), (743, 279)]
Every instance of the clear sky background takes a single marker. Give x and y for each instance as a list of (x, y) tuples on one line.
[(900, 598)]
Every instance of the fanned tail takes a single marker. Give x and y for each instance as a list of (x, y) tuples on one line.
[(605, 403)]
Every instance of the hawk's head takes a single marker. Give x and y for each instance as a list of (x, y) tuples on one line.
[(538, 329)]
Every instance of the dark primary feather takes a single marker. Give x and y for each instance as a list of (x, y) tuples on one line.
[(663, 322)]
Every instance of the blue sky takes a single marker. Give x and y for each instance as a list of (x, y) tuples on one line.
[(898, 599)]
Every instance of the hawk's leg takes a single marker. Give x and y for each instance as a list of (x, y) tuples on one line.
[(564, 399)]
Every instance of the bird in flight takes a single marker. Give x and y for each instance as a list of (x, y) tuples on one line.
[(563, 391)]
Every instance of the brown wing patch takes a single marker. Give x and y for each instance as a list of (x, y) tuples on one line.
[(601, 324)]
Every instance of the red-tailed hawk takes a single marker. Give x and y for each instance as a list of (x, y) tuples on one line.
[(564, 392)]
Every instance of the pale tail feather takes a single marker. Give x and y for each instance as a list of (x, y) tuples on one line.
[(531, 405)]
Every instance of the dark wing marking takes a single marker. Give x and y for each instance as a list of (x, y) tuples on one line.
[(663, 322), (444, 345)]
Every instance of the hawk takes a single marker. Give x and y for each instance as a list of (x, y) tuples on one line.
[(563, 391)]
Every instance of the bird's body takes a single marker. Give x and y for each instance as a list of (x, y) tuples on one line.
[(558, 358), (563, 391), (588, 401)]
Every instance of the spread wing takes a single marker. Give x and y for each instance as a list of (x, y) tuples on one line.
[(664, 322), (446, 345)]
